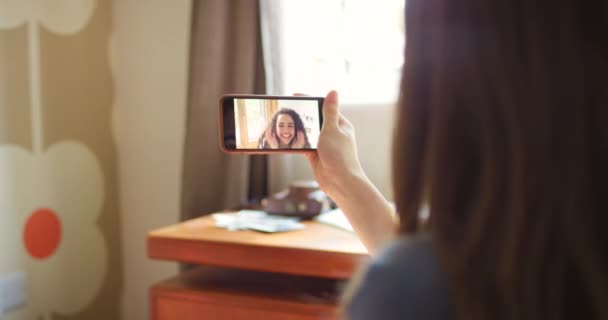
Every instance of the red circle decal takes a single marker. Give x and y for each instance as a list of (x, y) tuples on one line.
[(42, 233)]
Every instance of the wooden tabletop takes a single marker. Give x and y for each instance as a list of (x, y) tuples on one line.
[(317, 250)]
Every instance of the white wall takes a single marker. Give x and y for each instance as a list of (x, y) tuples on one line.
[(374, 131), (149, 57)]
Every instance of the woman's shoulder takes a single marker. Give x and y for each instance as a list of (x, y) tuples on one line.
[(409, 252), (404, 280)]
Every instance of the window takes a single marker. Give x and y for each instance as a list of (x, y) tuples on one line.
[(354, 46)]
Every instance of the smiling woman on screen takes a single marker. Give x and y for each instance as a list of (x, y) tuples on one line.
[(285, 131)]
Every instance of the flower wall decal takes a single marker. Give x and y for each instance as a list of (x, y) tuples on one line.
[(57, 201), (64, 186)]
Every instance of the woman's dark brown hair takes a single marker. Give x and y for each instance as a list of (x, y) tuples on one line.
[(502, 131)]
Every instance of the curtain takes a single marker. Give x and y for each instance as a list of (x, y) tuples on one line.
[(225, 57), (281, 168)]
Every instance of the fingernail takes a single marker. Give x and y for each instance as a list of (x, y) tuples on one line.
[(332, 96)]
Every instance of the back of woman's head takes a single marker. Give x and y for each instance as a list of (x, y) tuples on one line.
[(502, 132)]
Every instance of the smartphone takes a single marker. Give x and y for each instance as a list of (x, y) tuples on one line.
[(263, 124)]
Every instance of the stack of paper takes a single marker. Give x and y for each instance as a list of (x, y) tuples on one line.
[(256, 220)]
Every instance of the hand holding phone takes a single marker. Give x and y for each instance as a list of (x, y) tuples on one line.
[(269, 124)]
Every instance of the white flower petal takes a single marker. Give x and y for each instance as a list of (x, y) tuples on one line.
[(64, 16), (20, 314), (74, 178), (16, 193), (68, 281), (14, 12)]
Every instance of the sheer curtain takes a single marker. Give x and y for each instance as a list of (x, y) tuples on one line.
[(356, 47), (281, 168), (225, 57)]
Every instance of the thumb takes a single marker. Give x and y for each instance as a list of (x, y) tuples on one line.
[(330, 108)]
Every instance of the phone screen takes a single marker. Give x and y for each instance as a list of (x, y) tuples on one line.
[(267, 123)]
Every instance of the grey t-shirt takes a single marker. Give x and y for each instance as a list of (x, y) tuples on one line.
[(404, 281)]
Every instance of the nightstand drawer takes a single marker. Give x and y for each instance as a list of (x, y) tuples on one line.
[(219, 293)]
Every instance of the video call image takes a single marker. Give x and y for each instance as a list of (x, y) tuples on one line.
[(276, 124)]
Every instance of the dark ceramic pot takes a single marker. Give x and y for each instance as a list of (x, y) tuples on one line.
[(302, 199)]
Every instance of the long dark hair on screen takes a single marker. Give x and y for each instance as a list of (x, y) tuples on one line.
[(298, 128), (502, 131)]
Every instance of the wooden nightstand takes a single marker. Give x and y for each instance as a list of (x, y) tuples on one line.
[(250, 275)]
